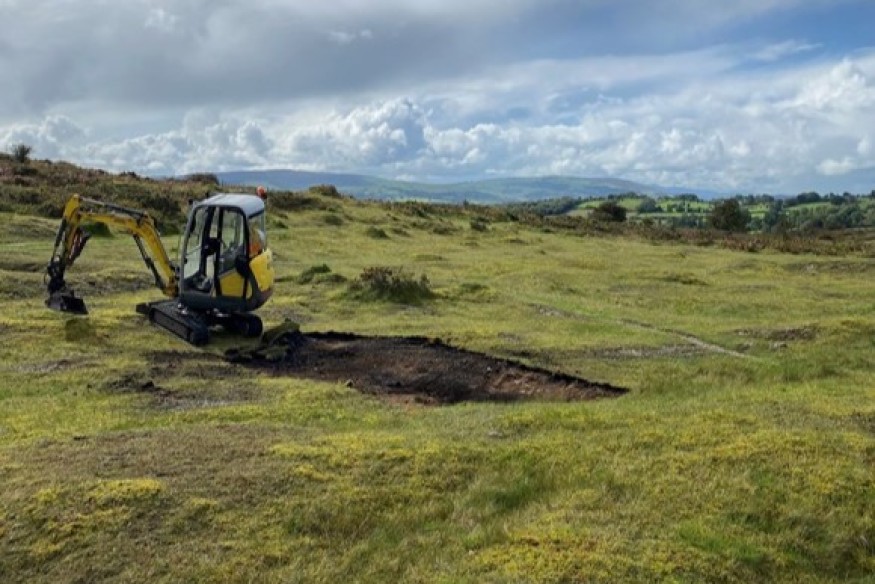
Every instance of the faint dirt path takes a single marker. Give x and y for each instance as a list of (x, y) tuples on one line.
[(685, 336), (689, 338)]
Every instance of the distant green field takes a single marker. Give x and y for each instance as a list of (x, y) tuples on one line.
[(810, 206), (632, 203), (629, 203), (744, 451), (803, 217)]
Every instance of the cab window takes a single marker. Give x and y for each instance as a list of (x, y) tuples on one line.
[(257, 235), (232, 238), (192, 257)]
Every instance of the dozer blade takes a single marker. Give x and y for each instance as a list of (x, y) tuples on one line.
[(66, 301), (189, 326)]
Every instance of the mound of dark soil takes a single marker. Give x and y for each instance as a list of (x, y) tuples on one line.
[(424, 370)]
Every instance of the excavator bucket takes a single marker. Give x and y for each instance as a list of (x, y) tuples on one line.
[(66, 301)]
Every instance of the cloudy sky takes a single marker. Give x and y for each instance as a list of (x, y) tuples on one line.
[(745, 95)]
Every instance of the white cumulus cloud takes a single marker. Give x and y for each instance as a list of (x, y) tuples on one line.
[(53, 137), (669, 91)]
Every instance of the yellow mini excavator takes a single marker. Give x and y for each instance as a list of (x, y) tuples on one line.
[(225, 268)]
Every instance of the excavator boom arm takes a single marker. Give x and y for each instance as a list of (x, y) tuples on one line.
[(71, 240)]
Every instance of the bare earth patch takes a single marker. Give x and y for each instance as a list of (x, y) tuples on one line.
[(425, 370)]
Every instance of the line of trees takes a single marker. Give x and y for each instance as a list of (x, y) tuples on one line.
[(546, 207)]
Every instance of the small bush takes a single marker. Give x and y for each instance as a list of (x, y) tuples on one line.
[(648, 205), (78, 330), (376, 233), (206, 178), (472, 287), (332, 219), (295, 202), (685, 279), (21, 153), (326, 191), (391, 284), (473, 292), (310, 273), (729, 215), (444, 229), (610, 211), (479, 225)]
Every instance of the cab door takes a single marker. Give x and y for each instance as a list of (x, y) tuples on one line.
[(233, 260), (198, 257), (215, 242)]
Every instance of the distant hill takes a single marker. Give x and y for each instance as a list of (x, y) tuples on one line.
[(505, 190)]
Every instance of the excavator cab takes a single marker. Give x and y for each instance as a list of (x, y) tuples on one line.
[(225, 263)]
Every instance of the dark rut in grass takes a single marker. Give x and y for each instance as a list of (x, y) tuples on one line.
[(417, 369)]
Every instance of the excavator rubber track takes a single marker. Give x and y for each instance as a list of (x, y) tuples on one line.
[(168, 315)]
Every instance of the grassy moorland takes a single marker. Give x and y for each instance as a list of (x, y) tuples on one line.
[(745, 450)]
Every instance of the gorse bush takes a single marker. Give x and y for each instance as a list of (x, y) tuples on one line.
[(391, 284)]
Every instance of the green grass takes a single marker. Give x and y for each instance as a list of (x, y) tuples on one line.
[(744, 451)]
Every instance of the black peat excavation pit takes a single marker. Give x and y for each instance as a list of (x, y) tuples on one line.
[(416, 369)]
